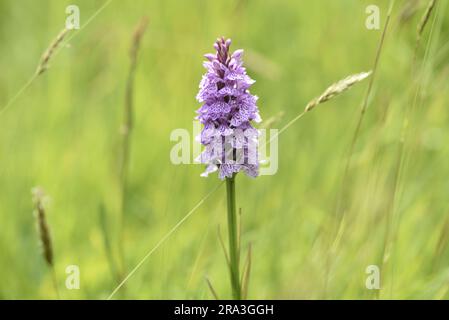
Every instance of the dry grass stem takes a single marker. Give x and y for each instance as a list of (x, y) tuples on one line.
[(408, 10), (212, 290), (420, 30), (424, 19)]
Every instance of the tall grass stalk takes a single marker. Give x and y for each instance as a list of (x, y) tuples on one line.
[(339, 214), (401, 159), (126, 130), (234, 254), (211, 288), (55, 45), (363, 108), (331, 92), (44, 234), (42, 66), (422, 25)]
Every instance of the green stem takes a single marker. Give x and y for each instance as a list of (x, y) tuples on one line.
[(55, 281), (233, 242)]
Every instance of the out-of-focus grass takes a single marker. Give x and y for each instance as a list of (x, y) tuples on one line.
[(62, 134)]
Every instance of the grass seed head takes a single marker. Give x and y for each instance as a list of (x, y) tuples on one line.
[(336, 89), (44, 63), (43, 229)]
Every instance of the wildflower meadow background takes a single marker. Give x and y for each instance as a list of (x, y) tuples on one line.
[(333, 208)]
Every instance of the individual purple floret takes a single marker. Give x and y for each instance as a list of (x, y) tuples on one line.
[(228, 108)]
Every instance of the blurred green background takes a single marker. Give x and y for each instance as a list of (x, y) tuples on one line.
[(62, 133)]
